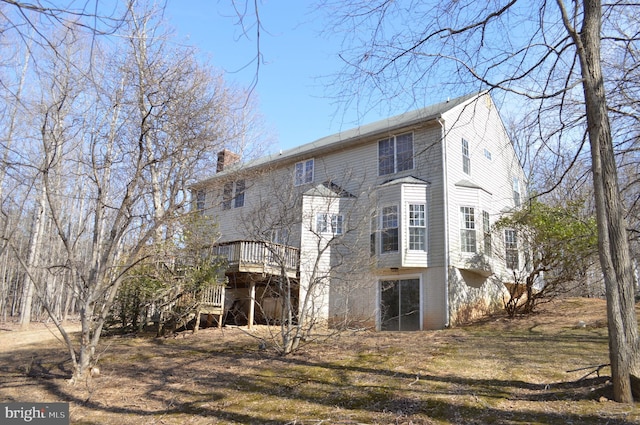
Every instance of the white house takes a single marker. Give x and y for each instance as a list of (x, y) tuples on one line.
[(387, 225)]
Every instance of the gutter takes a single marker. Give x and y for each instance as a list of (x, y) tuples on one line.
[(445, 194)]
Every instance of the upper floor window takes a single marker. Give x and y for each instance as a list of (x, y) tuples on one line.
[(395, 154), (239, 198), (487, 154), (329, 223), (486, 228), (516, 191), (417, 227), (511, 248), (303, 172), (466, 159), (233, 194), (389, 234), (201, 197), (467, 229)]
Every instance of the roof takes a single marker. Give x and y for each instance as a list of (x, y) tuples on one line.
[(329, 190), (343, 138), (405, 180), (471, 185)]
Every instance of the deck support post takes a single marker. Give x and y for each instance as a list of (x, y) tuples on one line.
[(252, 304)]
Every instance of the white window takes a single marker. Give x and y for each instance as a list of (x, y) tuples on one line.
[(329, 223), (466, 159), (303, 172), (487, 154), (389, 233), (516, 191), (511, 249), (486, 227), (395, 154), (467, 229), (233, 195), (417, 227)]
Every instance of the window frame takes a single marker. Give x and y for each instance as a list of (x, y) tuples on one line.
[(238, 198), (468, 236), (486, 228), (227, 195), (280, 235), (330, 223), (389, 229), (466, 157), (233, 194), (417, 225), (304, 172), (512, 254), (396, 160), (517, 196), (201, 199), (487, 154)]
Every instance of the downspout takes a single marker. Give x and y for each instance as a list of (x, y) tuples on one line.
[(445, 194)]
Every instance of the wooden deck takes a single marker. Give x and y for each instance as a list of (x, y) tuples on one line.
[(259, 257), (182, 309)]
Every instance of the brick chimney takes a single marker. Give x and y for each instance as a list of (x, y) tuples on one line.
[(225, 159)]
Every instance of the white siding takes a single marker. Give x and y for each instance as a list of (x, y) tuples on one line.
[(271, 199), (487, 188)]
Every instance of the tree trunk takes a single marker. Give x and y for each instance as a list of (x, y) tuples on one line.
[(34, 246), (613, 240)]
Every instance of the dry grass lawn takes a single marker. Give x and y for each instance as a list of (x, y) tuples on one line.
[(498, 371)]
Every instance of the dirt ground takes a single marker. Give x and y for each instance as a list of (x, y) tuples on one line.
[(498, 370), (12, 337)]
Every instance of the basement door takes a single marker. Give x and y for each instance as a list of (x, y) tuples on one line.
[(400, 305)]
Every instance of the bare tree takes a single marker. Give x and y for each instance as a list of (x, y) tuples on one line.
[(328, 223), (554, 64), (123, 128)]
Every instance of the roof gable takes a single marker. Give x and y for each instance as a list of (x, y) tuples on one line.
[(329, 189)]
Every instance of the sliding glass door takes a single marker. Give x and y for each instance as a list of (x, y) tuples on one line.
[(400, 305)]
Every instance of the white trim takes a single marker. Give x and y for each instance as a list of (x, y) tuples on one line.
[(446, 230)]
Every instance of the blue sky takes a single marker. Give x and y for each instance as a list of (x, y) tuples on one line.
[(293, 99)]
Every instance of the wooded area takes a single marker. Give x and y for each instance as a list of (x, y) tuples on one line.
[(105, 124)]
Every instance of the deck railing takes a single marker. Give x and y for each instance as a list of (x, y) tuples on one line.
[(264, 254)]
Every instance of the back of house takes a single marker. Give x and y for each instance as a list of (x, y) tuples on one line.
[(384, 226)]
